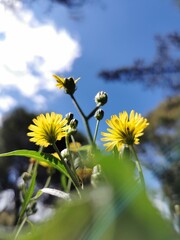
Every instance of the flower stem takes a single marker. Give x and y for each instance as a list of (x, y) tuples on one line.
[(70, 158), (48, 181), (85, 119), (78, 107), (93, 112), (138, 167), (96, 131), (20, 228), (71, 174)]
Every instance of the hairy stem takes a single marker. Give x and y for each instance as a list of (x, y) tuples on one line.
[(85, 119), (138, 167), (96, 131), (71, 174)]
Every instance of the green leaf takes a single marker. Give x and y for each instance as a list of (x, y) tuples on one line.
[(40, 157)]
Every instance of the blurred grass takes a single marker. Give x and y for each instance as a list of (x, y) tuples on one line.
[(117, 209)]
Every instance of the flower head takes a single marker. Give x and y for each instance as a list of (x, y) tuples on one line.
[(69, 84), (47, 129), (101, 98), (124, 130), (99, 114)]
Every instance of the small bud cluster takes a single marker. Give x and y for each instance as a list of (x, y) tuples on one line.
[(101, 99), (69, 116), (71, 121)]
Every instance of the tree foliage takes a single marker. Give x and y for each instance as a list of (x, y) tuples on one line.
[(164, 129), (163, 71), (163, 134), (13, 136)]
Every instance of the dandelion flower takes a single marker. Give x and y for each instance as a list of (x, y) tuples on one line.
[(124, 130), (47, 129)]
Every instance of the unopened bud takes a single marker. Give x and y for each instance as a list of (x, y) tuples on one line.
[(69, 116), (73, 123), (96, 177), (20, 183), (69, 85), (26, 176), (177, 209), (65, 153), (101, 98), (99, 114)]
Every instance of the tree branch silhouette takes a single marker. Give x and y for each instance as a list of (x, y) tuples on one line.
[(163, 71)]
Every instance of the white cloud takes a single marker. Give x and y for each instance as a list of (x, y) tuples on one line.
[(40, 102), (32, 52), (7, 102)]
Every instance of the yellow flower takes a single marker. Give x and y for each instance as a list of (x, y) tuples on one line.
[(69, 84), (47, 129), (124, 130)]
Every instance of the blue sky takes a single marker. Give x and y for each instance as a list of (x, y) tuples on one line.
[(35, 43)]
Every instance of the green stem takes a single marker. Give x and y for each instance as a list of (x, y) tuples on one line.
[(71, 174), (20, 227), (48, 181), (70, 158), (30, 167), (78, 107), (96, 131), (69, 185), (138, 167), (85, 119), (93, 112), (28, 194)]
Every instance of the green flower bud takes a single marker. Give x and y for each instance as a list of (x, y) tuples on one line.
[(26, 176), (21, 183), (99, 114), (34, 207), (96, 177), (177, 209), (73, 123), (69, 116), (31, 209), (65, 153), (101, 98), (69, 85)]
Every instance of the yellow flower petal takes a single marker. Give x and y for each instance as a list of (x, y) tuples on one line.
[(124, 130), (47, 129)]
